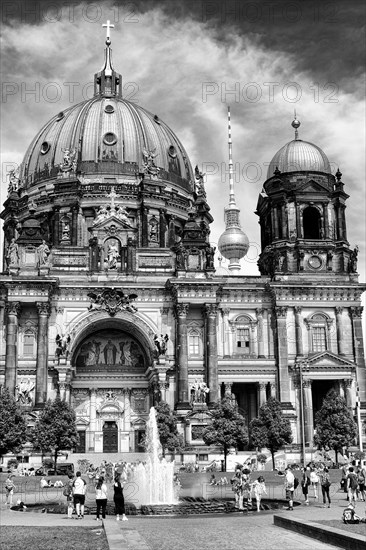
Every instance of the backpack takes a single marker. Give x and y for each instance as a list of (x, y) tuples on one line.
[(353, 481), (296, 483), (361, 477), (348, 516)]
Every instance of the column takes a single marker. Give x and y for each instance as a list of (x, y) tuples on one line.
[(340, 340), (162, 228), (92, 417), (93, 254), (211, 340), (298, 222), (42, 354), (326, 220), (252, 338), (182, 346), (284, 221), (56, 229), (260, 332), (225, 331), (298, 331), (74, 224), (275, 221), (11, 353), (272, 386), (227, 388), (131, 255), (343, 217), (282, 353), (145, 231), (348, 385), (262, 393), (356, 316), (308, 412)]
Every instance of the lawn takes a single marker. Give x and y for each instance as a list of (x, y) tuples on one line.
[(46, 538), (356, 529)]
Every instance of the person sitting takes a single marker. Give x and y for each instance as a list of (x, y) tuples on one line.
[(349, 515), (45, 484), (58, 483), (213, 480)]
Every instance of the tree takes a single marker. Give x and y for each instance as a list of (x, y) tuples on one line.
[(169, 437), (13, 426), (271, 429), (335, 427), (55, 429), (227, 427)]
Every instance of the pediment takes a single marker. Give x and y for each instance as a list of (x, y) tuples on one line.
[(112, 221), (327, 358), (312, 186)]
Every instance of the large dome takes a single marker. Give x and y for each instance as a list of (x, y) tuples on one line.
[(299, 156), (109, 135)]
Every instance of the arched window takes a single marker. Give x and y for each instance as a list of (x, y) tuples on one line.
[(319, 332), (311, 223), (243, 328), (195, 342)]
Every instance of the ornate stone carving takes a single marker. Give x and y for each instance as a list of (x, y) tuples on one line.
[(199, 391), (14, 181), (161, 344), (352, 265), (356, 311), (182, 309), (348, 382), (24, 389), (281, 312), (199, 185), (12, 254), (298, 310), (210, 309), (43, 308), (112, 301), (13, 308), (259, 312), (307, 383), (339, 310), (42, 254)]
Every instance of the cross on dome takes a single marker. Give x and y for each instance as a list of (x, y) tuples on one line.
[(108, 26)]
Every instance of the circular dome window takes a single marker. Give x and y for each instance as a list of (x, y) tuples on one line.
[(45, 147), (109, 109), (172, 152), (156, 119), (60, 116), (110, 138)]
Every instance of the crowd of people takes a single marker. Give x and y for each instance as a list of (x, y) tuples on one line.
[(244, 489)]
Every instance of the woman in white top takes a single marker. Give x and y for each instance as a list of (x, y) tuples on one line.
[(101, 497), (314, 480), (259, 488)]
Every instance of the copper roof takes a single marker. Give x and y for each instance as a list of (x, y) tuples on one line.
[(298, 155)]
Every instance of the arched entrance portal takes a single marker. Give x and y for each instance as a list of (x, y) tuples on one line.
[(110, 359)]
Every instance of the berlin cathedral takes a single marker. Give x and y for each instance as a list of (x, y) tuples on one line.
[(109, 295)]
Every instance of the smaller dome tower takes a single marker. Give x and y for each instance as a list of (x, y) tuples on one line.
[(233, 243)]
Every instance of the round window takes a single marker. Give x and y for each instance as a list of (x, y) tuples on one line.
[(109, 109), (60, 116), (156, 119), (45, 147), (110, 138), (172, 152)]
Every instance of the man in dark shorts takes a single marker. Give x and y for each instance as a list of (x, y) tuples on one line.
[(79, 488)]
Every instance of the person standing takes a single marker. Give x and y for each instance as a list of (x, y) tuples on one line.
[(361, 478), (314, 479), (325, 485), (101, 497), (290, 487), (68, 495), (119, 500), (79, 488), (259, 489), (305, 484), (352, 485), (9, 486)]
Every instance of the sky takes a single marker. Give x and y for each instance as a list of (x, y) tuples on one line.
[(186, 62)]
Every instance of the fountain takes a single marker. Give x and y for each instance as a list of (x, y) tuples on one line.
[(153, 480)]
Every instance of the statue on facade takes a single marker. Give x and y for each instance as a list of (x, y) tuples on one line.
[(112, 301), (24, 389), (125, 349), (153, 230), (199, 391), (199, 183), (102, 214), (42, 254), (65, 230), (181, 256), (12, 254), (149, 166), (113, 256), (352, 266), (210, 254), (161, 344), (110, 352), (62, 345), (14, 181), (69, 160)]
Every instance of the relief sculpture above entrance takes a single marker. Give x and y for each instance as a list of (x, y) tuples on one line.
[(110, 348)]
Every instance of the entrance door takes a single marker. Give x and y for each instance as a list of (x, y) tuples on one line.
[(110, 437), (81, 447)]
